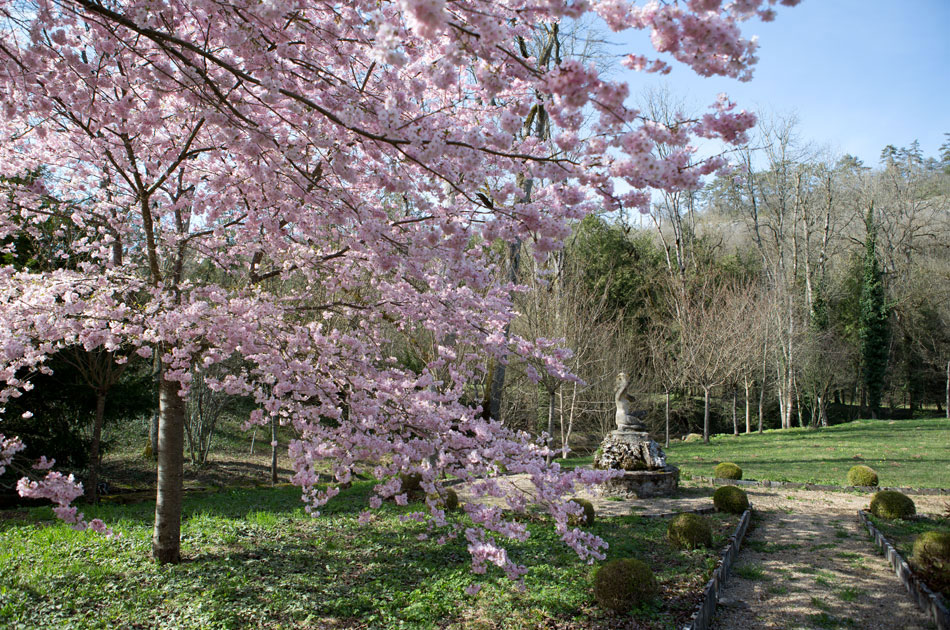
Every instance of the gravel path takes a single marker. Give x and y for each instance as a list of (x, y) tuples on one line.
[(808, 563)]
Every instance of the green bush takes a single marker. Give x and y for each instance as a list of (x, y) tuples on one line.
[(621, 585), (588, 517), (892, 504), (862, 476), (410, 484), (449, 501), (728, 470), (731, 499), (932, 558), (689, 531)]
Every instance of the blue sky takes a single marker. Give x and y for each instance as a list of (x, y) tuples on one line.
[(858, 74)]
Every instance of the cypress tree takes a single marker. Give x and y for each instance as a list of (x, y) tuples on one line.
[(873, 330)]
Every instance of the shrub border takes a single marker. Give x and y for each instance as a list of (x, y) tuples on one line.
[(703, 617), (816, 486), (931, 603)]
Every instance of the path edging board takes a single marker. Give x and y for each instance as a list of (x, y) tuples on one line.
[(703, 617), (931, 603), (817, 486)]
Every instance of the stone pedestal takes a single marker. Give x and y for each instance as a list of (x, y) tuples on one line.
[(629, 450), (645, 472), (643, 484)]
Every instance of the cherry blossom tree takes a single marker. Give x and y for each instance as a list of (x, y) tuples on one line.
[(343, 170)]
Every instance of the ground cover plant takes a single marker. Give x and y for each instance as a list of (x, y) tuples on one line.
[(903, 532), (253, 559), (908, 453)]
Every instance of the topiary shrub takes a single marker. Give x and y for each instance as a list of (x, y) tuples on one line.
[(621, 585), (689, 531), (731, 499), (728, 470), (410, 484), (587, 518), (451, 500), (932, 558), (892, 504), (862, 476)]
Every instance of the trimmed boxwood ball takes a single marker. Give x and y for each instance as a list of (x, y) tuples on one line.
[(588, 518), (892, 504), (621, 585), (451, 500), (410, 483), (689, 531), (728, 470), (862, 476), (731, 499), (932, 558)]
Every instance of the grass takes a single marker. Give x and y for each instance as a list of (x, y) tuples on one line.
[(763, 546), (902, 533), (749, 572), (824, 620), (849, 593), (253, 559), (912, 453)]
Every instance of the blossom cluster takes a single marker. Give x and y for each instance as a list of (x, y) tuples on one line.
[(306, 200)]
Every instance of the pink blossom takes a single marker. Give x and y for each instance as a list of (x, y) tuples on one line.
[(341, 178)]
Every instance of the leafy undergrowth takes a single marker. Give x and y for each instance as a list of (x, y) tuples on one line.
[(253, 559), (910, 453), (902, 534)]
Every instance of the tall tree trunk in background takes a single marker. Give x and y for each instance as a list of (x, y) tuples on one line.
[(765, 373), (735, 424), (552, 393), (948, 390), (706, 414), (748, 408), (667, 418), (761, 405), (273, 450), (92, 490), (566, 433), (166, 538)]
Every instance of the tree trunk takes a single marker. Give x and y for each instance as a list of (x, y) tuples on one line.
[(948, 390), (551, 398), (166, 538), (667, 418), (735, 424), (92, 489), (273, 450), (748, 409), (153, 423), (706, 414), (761, 404)]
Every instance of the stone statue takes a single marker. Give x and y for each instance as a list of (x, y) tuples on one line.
[(630, 450), (627, 418)]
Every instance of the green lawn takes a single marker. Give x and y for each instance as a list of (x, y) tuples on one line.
[(912, 453), (254, 560)]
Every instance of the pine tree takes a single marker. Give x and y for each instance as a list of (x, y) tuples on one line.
[(874, 330)]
